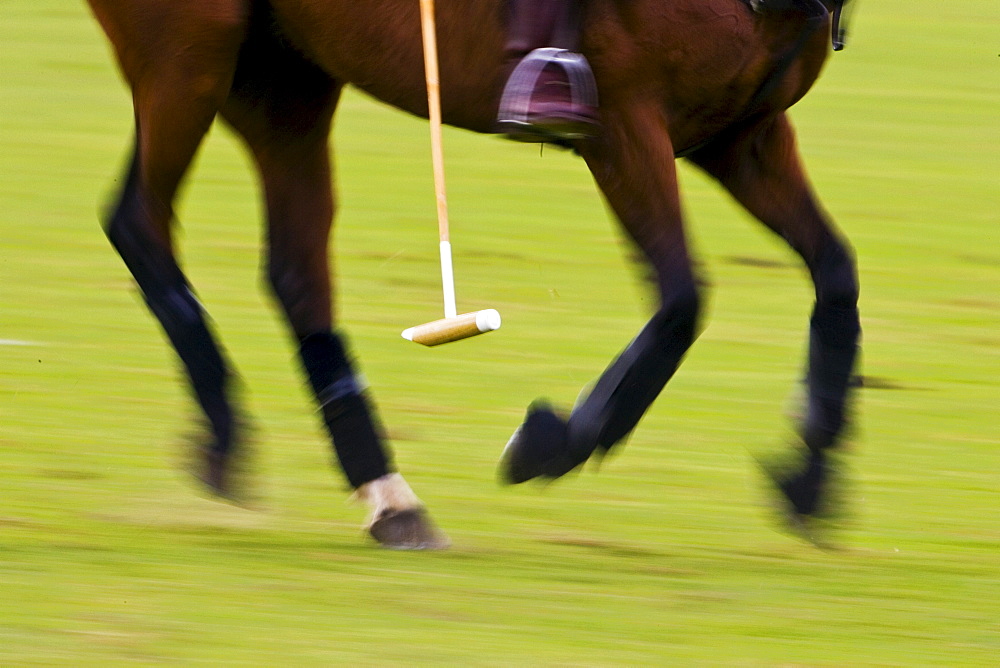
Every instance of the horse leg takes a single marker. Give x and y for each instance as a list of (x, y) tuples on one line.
[(283, 108), (176, 98), (633, 164), (761, 168)]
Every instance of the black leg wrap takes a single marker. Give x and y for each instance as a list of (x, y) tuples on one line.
[(548, 446), (805, 477), (834, 331), (628, 387), (169, 297), (349, 418), (210, 380), (833, 337)]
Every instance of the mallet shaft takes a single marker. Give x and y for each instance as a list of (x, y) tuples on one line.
[(453, 326)]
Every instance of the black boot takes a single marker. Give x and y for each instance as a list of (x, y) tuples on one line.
[(550, 94)]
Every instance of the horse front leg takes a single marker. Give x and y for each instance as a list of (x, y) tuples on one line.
[(176, 100), (140, 234), (289, 139), (760, 166), (633, 164)]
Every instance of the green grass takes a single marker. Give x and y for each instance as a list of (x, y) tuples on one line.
[(667, 555)]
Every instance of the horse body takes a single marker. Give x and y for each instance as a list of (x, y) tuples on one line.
[(709, 79), (697, 58)]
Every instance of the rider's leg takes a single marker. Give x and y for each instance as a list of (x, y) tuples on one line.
[(550, 94)]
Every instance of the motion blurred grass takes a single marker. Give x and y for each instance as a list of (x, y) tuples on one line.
[(108, 556)]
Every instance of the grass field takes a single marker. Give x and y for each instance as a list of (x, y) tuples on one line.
[(668, 554)]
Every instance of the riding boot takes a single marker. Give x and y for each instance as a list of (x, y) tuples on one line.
[(550, 94)]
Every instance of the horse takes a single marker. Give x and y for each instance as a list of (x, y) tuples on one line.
[(709, 81)]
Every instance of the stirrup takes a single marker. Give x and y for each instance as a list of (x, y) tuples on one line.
[(515, 103)]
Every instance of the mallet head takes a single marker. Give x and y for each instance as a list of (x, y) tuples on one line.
[(459, 327)]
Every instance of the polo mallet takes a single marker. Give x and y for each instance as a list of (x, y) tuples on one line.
[(452, 327)]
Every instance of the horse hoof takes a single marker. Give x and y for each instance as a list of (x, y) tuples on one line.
[(538, 448), (224, 479), (804, 496), (225, 473), (410, 529), (214, 473)]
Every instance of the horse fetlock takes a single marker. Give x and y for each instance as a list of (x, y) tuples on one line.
[(385, 495), (825, 421)]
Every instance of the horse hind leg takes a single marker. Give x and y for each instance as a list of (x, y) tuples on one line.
[(282, 107), (175, 100), (761, 168)]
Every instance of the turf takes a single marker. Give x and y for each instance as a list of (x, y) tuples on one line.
[(668, 554)]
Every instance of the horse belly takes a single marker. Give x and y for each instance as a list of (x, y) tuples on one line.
[(376, 46)]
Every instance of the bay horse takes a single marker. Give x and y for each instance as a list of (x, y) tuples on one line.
[(707, 80)]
